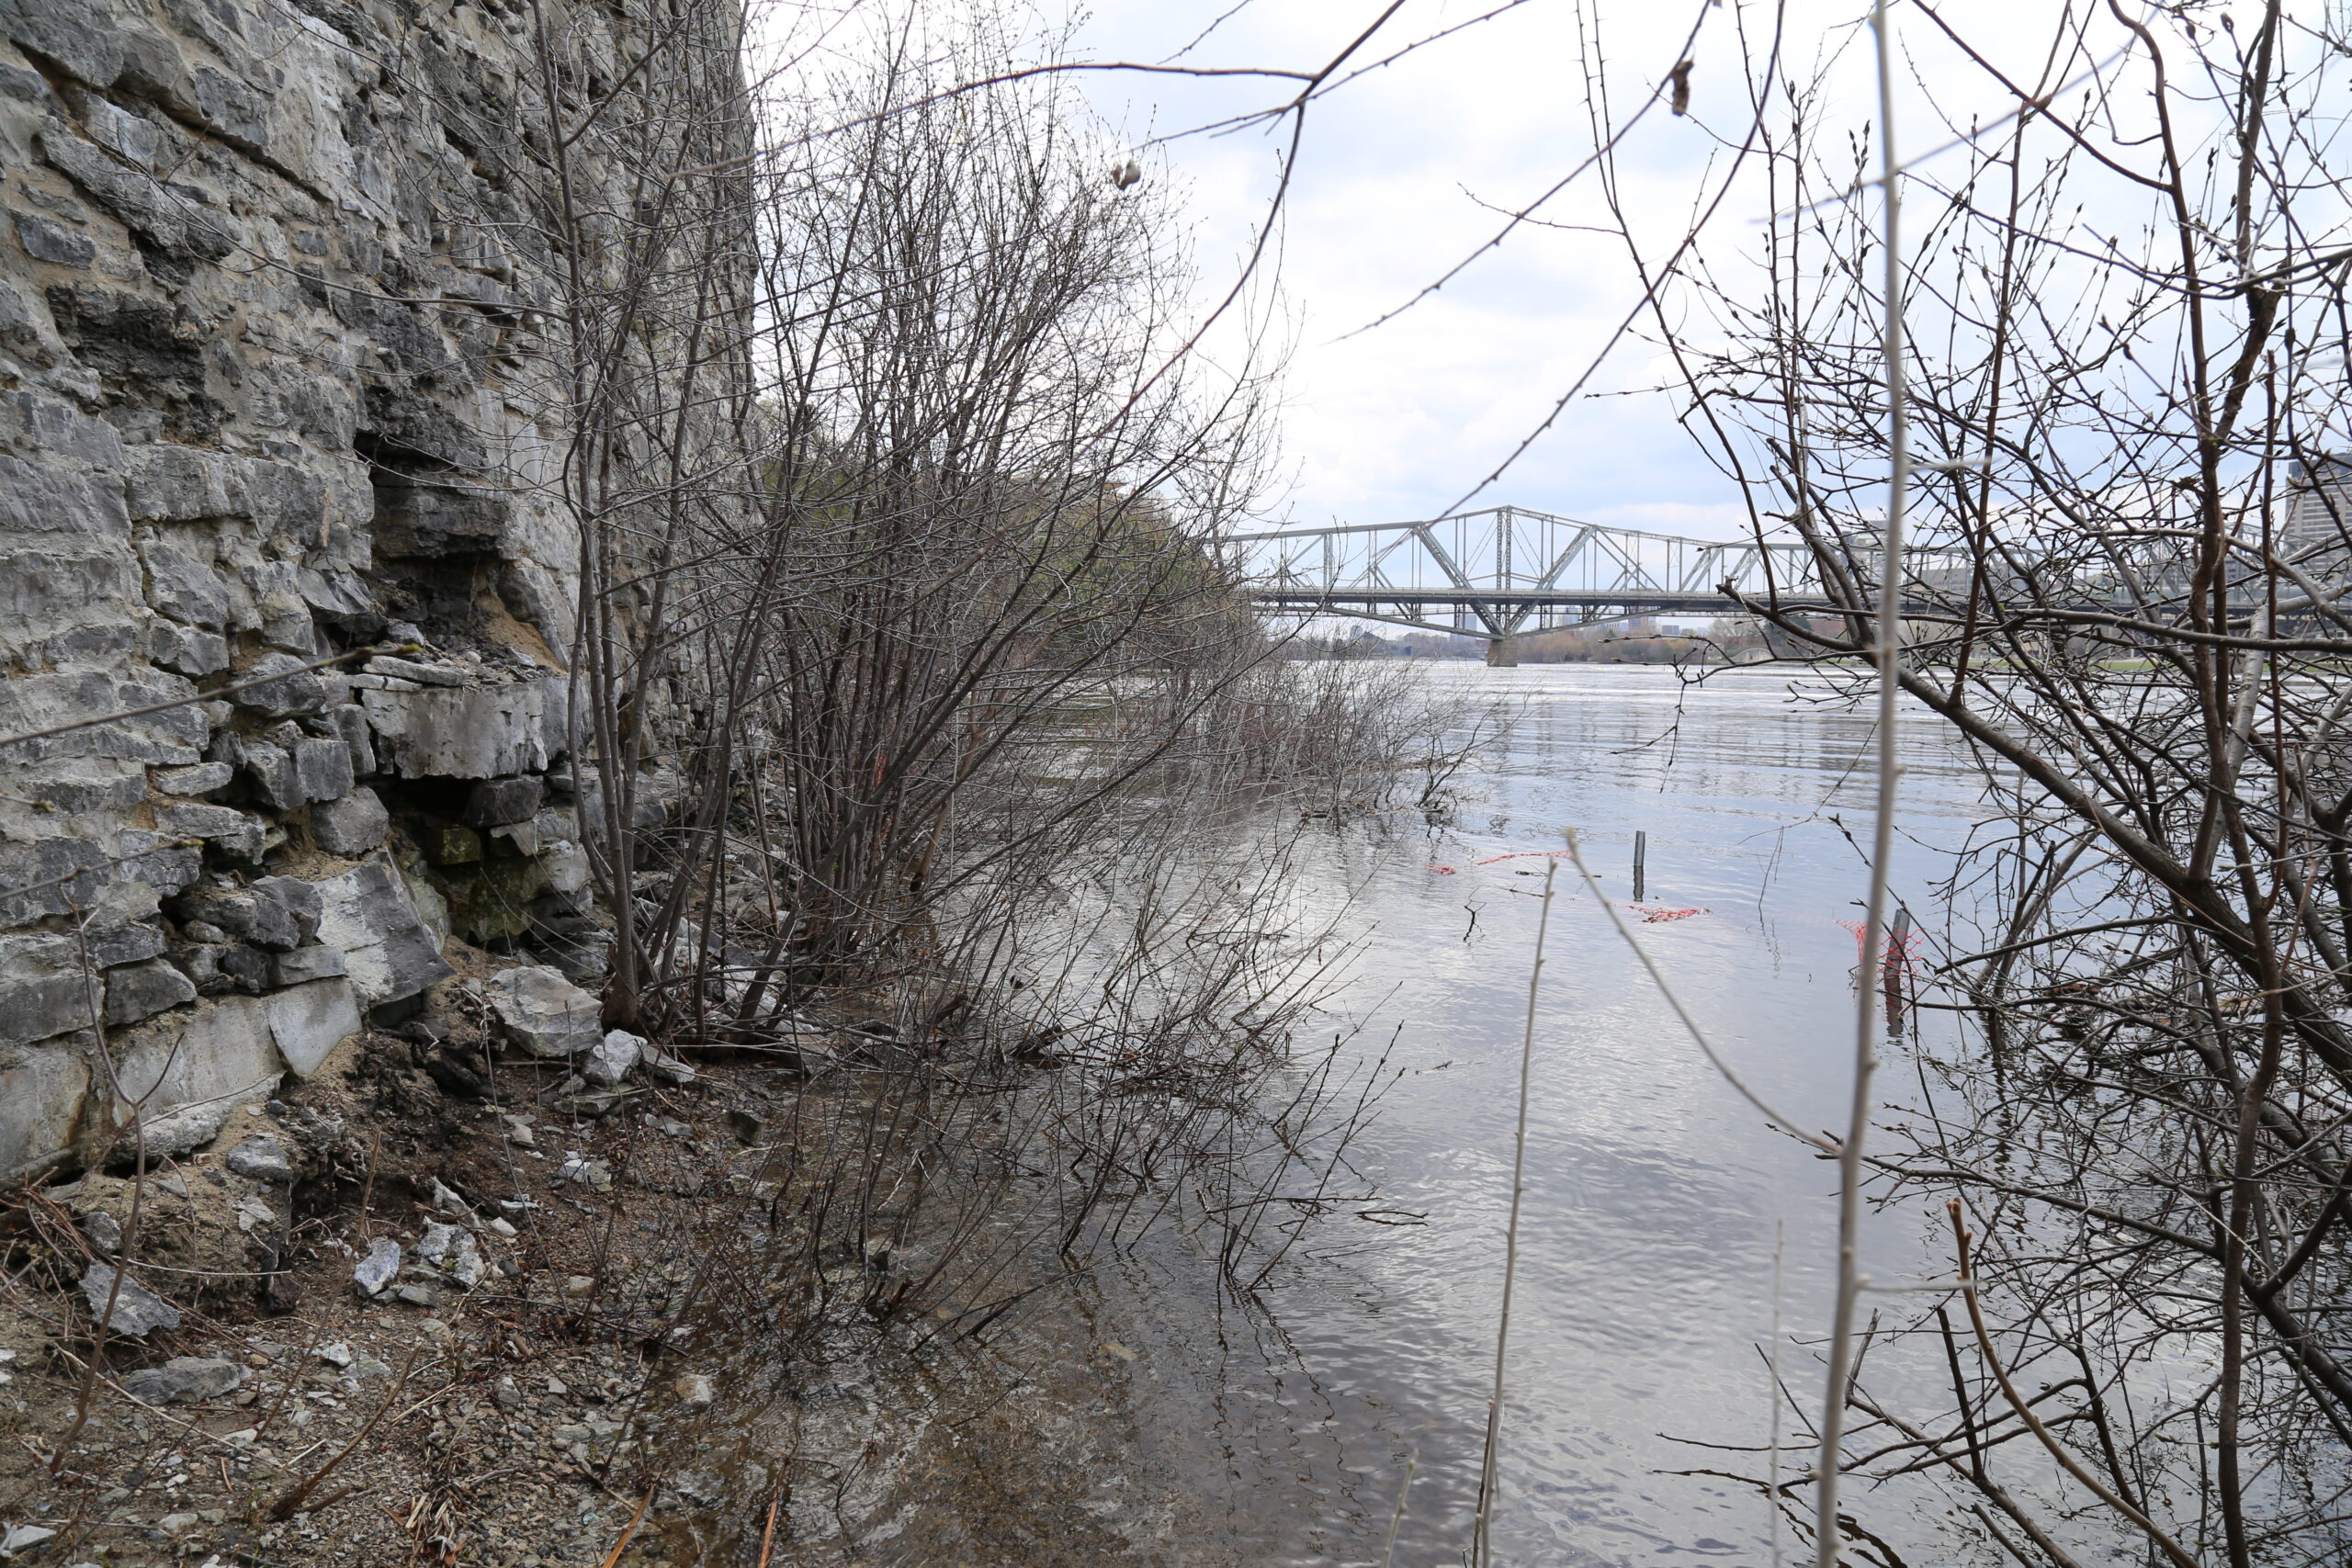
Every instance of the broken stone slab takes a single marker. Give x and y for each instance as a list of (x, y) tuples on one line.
[(21, 1538), (306, 964), (308, 1021), (352, 825), (262, 1159), (422, 671), (173, 1133), (670, 1069), (451, 1252), (379, 1269), (336, 1354), (594, 1174), (387, 950), (136, 991), (610, 1059), (469, 732), (183, 1380), (218, 1053), (104, 1230), (543, 1012), (136, 1310)]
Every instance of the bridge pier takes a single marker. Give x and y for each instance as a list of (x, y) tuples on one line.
[(1503, 653)]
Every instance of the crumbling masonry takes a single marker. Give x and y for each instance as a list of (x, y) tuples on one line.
[(266, 345)]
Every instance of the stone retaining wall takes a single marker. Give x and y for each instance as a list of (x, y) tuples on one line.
[(266, 361)]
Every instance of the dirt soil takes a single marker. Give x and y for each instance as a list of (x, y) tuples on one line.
[(567, 1407)]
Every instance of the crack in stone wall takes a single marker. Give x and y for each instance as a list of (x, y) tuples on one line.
[(266, 354)]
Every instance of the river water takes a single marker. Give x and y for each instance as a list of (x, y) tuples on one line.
[(1659, 1207)]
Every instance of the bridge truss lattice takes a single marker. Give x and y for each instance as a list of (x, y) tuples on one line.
[(1505, 571)]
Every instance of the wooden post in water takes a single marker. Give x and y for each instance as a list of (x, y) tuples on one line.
[(1898, 944), (1641, 854)]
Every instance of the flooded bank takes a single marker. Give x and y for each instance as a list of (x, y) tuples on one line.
[(1659, 1207)]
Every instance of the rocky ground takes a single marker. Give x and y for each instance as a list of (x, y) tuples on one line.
[(585, 1312)]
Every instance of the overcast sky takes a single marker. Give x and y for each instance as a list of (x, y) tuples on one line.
[(1399, 178)]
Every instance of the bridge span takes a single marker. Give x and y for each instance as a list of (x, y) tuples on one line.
[(1504, 570)]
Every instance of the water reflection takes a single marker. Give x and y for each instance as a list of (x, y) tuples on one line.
[(1654, 1195)]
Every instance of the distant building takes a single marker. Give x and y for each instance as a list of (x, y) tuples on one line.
[(2316, 525)]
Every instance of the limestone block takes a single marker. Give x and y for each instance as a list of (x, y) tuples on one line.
[(545, 1013), (270, 770), (480, 732), (309, 1021), (158, 861), (174, 218), (322, 770), (567, 868), (52, 243), (436, 521), (297, 693), (352, 825), (244, 913), (55, 429), (301, 901), (387, 949), (351, 722), (239, 832), (496, 802), (172, 1134), (612, 1057), (85, 39), (447, 843), (47, 592), (185, 649), (125, 1305), (137, 991), (132, 338), (182, 587), (49, 877), (183, 1380), (36, 702), (129, 943), (205, 778), (128, 136), (41, 1092), (41, 499), (280, 612), (516, 838), (170, 483), (43, 988)]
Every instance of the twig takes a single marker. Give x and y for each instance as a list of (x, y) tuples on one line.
[(1488, 1461)]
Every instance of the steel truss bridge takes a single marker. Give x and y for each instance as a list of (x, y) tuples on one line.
[(1505, 571)]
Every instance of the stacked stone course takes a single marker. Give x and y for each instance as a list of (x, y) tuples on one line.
[(267, 358)]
